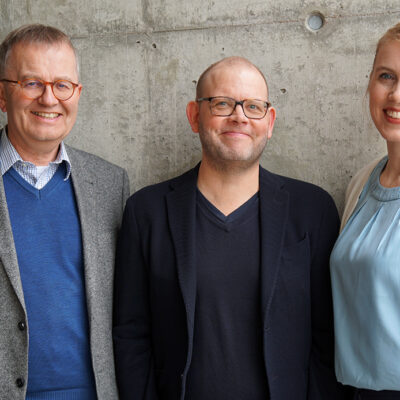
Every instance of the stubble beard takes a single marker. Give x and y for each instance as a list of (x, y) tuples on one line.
[(224, 158)]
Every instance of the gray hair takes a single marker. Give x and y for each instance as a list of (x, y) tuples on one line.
[(29, 34)]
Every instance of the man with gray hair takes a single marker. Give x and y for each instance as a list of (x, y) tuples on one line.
[(60, 209)]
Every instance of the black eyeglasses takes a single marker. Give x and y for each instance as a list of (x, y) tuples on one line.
[(222, 106), (34, 88)]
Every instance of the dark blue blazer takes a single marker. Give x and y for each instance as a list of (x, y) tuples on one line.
[(155, 289)]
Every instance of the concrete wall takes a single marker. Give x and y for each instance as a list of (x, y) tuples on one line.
[(140, 60)]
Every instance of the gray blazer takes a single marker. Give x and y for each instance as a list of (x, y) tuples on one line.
[(101, 190)]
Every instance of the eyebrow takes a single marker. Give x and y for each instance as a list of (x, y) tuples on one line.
[(35, 76), (383, 67)]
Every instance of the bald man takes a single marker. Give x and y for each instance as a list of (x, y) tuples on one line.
[(222, 286)]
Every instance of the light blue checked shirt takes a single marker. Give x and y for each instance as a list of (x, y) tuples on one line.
[(37, 176)]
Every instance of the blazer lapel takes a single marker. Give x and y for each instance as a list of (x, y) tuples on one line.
[(274, 202), (8, 255), (181, 205), (84, 185)]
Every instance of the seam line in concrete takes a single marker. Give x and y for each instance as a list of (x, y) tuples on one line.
[(148, 33)]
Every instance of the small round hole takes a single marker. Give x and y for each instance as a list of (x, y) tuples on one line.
[(315, 21)]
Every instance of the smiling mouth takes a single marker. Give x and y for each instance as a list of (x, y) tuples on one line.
[(46, 115), (393, 114), (235, 133)]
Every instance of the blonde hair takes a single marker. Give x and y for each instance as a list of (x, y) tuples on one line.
[(391, 34)]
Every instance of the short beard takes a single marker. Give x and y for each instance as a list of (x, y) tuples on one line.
[(224, 159)]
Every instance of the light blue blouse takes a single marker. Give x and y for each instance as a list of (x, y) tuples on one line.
[(365, 271)]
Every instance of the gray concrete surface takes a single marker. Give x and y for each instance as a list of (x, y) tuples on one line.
[(140, 61)]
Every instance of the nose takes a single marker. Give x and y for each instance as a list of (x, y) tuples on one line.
[(238, 114), (48, 98), (395, 92)]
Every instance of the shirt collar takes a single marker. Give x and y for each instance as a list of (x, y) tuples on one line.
[(9, 156)]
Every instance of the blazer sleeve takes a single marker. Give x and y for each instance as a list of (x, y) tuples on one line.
[(125, 188), (322, 379), (131, 319)]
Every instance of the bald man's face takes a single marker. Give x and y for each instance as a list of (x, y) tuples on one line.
[(233, 138)]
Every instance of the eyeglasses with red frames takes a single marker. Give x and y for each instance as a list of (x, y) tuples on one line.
[(34, 88)]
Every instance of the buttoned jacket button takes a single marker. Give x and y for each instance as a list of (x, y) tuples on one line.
[(21, 325), (20, 382)]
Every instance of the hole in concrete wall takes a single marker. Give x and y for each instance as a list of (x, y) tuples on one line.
[(154, 45), (315, 21)]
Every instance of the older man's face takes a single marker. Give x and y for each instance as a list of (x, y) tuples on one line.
[(234, 139), (34, 125)]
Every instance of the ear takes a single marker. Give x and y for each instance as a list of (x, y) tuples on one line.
[(271, 121), (3, 102), (79, 90), (192, 113)]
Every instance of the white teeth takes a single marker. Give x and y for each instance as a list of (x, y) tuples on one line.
[(393, 114), (46, 115)]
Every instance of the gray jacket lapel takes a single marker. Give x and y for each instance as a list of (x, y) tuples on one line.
[(8, 255), (84, 185)]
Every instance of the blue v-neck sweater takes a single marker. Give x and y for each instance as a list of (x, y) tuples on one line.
[(47, 237)]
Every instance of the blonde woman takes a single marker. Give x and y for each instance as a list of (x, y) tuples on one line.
[(365, 262)]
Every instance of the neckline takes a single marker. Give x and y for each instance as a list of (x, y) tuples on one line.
[(234, 215), (46, 189), (379, 192)]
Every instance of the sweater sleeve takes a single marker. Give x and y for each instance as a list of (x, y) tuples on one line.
[(354, 190)]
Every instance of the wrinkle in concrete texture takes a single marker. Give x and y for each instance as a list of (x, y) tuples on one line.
[(140, 61)]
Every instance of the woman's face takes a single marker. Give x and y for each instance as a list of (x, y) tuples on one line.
[(384, 91)]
